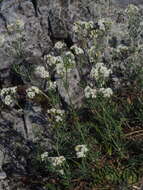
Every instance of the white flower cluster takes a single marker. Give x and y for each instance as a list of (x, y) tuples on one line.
[(44, 156), (69, 55), (92, 53), (92, 92), (82, 25), (8, 94), (65, 64), (57, 113), (77, 50), (50, 59), (59, 60), (100, 71), (131, 9), (8, 100), (40, 70), (17, 25), (57, 161), (107, 92), (61, 171), (32, 91), (101, 24), (60, 69), (89, 92), (51, 85), (70, 58), (104, 24), (59, 45), (122, 48), (81, 151), (62, 64), (53, 60)]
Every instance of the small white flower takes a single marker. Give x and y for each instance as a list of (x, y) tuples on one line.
[(81, 151), (57, 114), (89, 92), (40, 70), (44, 156), (75, 28), (82, 25), (8, 100), (59, 60), (131, 9), (92, 53), (80, 155), (101, 23), (61, 171), (58, 118), (122, 48), (32, 91), (91, 24), (105, 72), (30, 95), (60, 45), (52, 110), (35, 89), (93, 93), (19, 23), (4, 91), (100, 70), (60, 69), (9, 90), (99, 64), (8, 94), (94, 73), (51, 60), (11, 27), (57, 161), (60, 112), (51, 85), (77, 50), (13, 89), (107, 92), (69, 60), (69, 54)]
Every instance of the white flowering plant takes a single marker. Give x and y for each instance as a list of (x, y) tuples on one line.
[(97, 142), (8, 95)]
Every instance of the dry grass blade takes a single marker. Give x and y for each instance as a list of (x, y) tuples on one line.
[(134, 134)]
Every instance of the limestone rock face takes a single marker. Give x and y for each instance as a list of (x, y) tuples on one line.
[(42, 22), (126, 2)]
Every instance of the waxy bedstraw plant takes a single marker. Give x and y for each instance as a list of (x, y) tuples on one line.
[(97, 144)]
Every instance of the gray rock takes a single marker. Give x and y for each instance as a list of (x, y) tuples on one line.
[(32, 35), (126, 2), (4, 185), (73, 94), (1, 158), (3, 175), (45, 23)]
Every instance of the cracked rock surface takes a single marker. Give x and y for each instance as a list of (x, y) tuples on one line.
[(45, 22)]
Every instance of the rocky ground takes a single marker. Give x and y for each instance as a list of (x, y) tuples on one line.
[(45, 22)]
